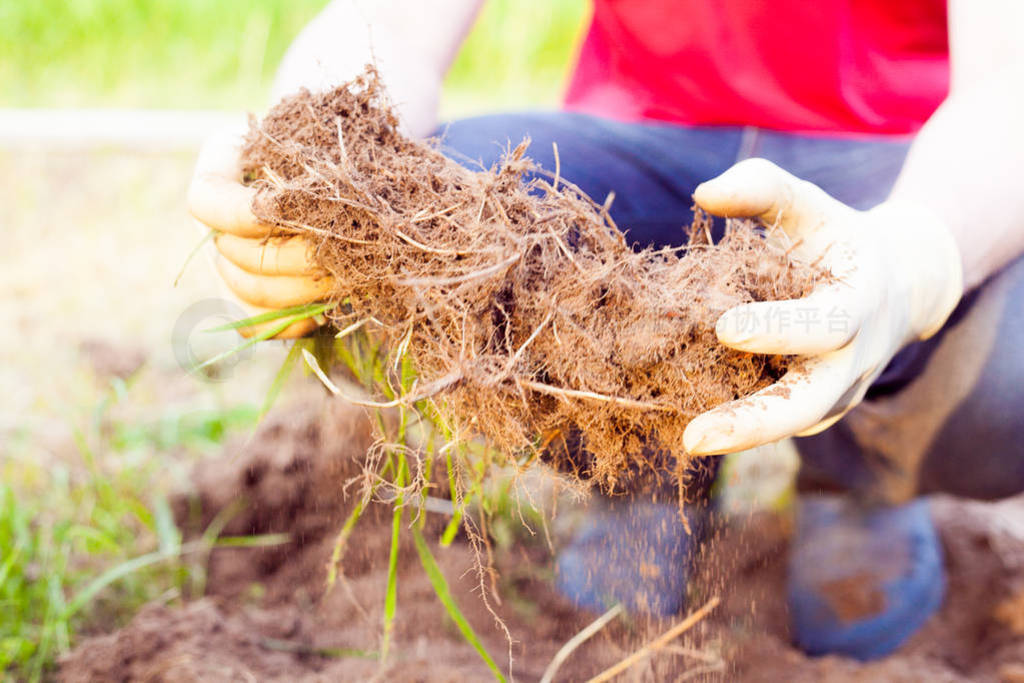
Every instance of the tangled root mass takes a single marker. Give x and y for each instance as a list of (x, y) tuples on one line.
[(518, 300)]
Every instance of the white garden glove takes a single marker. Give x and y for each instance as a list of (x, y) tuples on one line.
[(899, 276), (263, 273)]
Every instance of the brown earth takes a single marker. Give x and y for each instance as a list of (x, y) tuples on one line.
[(265, 614)]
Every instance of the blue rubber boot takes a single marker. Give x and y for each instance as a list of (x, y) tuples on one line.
[(862, 579), (637, 554)]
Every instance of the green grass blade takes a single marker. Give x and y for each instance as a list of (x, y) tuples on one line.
[(391, 596), (167, 531), (342, 540), (92, 537), (444, 594), (62, 632), (254, 541), (453, 490), (453, 527), (125, 568), (9, 562), (326, 652), (192, 254), (313, 364), (262, 336), (303, 310), (51, 621), (110, 576), (281, 377), (209, 539), (212, 531)]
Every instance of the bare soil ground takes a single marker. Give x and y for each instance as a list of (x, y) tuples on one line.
[(266, 616)]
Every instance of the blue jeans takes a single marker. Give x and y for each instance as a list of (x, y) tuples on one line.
[(944, 416)]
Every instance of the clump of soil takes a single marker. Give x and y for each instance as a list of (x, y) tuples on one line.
[(267, 615), (514, 294), (297, 475)]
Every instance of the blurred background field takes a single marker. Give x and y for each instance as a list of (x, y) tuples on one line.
[(195, 54)]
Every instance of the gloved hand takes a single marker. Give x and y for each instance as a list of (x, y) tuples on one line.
[(261, 271), (899, 276)]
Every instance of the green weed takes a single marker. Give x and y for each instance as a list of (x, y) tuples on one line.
[(86, 540)]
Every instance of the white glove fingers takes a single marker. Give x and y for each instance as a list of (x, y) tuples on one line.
[(293, 331), (291, 255), (824, 424), (824, 321), (225, 205), (757, 188), (797, 402), (216, 196), (273, 292), (219, 153)]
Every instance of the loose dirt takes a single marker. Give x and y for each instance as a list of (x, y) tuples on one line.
[(265, 615)]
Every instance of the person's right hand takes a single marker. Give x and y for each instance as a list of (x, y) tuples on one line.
[(262, 271)]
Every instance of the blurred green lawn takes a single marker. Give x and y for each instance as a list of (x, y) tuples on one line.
[(195, 54)]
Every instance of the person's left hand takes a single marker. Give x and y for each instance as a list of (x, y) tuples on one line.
[(261, 270), (898, 276)]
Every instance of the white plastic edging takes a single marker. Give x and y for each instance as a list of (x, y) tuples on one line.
[(131, 128)]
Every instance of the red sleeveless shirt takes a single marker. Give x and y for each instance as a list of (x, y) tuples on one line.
[(831, 66)]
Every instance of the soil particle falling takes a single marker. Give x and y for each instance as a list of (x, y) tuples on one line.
[(513, 293)]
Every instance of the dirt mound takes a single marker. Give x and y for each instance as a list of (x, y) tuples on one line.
[(513, 293), (268, 616), (197, 642), (268, 613), (205, 641), (293, 476)]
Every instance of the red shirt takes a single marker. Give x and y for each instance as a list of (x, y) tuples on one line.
[(834, 66)]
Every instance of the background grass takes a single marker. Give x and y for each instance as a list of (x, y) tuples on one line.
[(65, 523), (200, 54)]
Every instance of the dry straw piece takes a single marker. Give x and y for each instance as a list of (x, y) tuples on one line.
[(516, 297)]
